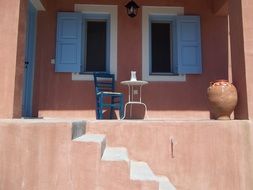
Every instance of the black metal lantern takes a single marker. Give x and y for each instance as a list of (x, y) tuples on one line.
[(132, 8)]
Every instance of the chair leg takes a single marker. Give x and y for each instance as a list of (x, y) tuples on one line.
[(97, 113), (97, 108), (121, 107), (100, 109), (111, 108)]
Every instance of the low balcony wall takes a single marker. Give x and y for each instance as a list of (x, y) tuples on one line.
[(210, 155), (207, 154)]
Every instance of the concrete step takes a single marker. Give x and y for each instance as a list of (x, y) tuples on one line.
[(97, 138), (78, 129), (164, 183), (114, 170), (93, 138), (115, 154), (141, 171)]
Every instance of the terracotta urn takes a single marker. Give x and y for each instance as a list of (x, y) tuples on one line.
[(222, 97)]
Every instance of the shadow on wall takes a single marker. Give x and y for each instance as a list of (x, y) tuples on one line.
[(79, 99)]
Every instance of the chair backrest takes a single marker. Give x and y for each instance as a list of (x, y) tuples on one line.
[(104, 82)]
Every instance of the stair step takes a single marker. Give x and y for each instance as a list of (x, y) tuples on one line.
[(97, 138), (78, 129), (164, 183), (115, 154), (93, 138), (141, 171)]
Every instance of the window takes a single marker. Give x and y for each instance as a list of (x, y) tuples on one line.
[(161, 41), (95, 39), (96, 42), (87, 41), (171, 44)]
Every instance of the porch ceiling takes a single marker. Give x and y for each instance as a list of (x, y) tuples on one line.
[(220, 7)]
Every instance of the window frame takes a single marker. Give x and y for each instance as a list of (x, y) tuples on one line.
[(112, 12), (161, 14)]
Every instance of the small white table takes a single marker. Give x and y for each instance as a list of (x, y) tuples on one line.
[(131, 100)]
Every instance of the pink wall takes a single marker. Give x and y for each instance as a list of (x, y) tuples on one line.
[(34, 156), (238, 57), (12, 43), (242, 56), (56, 95), (207, 155), (39, 154)]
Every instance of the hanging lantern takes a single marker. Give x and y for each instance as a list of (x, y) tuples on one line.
[(132, 8)]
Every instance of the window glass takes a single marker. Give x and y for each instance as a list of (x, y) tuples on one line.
[(95, 47), (161, 48)]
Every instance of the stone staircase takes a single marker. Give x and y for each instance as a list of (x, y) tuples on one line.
[(117, 171)]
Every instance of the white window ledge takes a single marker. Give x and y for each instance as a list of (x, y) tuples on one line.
[(78, 76), (156, 78)]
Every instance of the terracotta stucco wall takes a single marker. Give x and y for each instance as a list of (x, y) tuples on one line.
[(208, 155), (242, 57), (12, 43), (57, 95)]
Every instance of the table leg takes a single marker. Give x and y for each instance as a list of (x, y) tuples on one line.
[(140, 94), (129, 93), (132, 99), (125, 111), (146, 111), (131, 107)]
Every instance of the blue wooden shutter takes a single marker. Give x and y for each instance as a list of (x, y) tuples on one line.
[(188, 45), (68, 42)]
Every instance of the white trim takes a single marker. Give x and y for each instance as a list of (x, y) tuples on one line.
[(157, 78), (78, 76), (38, 5), (103, 9), (146, 12)]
